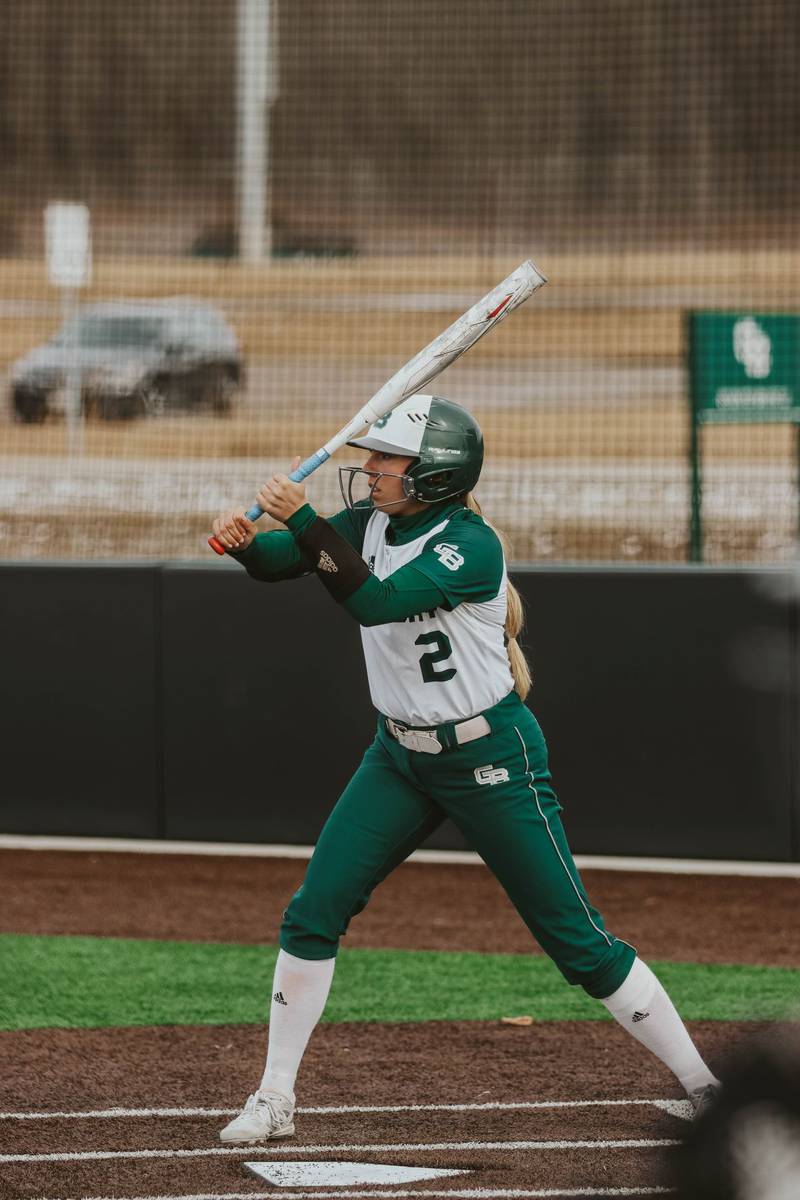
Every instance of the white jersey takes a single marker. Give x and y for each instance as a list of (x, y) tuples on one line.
[(441, 665)]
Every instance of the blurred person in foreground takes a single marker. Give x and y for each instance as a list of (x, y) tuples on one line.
[(746, 1143)]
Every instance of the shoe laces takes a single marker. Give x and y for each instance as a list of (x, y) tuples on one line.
[(277, 1106)]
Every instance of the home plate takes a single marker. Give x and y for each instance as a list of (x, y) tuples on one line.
[(341, 1174)]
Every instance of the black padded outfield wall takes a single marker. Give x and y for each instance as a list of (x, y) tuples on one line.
[(266, 708), (668, 699), (188, 702), (80, 700)]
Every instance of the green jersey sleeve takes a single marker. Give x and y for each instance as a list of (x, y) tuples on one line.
[(272, 556), (406, 593), (275, 555), (462, 564), (351, 523), (465, 561)]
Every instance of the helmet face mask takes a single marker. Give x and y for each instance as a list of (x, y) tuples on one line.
[(443, 437), (350, 478)]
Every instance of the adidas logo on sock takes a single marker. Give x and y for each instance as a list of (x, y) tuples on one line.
[(278, 998), (639, 1016)]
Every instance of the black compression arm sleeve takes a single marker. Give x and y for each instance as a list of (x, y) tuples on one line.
[(337, 565)]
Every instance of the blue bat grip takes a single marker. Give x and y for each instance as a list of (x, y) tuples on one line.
[(311, 464), (303, 471)]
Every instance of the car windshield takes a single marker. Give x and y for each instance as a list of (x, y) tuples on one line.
[(115, 331)]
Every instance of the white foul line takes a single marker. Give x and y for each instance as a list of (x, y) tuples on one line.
[(372, 1148), (676, 1107), (455, 1194), (584, 862)]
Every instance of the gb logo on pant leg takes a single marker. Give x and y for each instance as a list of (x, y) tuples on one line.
[(491, 775)]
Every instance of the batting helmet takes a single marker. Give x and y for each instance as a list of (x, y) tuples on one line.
[(445, 439)]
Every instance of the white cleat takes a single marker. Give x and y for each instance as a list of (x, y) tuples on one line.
[(265, 1115), (703, 1099)]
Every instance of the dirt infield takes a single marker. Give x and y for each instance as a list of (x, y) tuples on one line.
[(346, 1065), (419, 907), (584, 1091)]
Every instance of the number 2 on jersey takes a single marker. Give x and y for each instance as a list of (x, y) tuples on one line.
[(444, 651)]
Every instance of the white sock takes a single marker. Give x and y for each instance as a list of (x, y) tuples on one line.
[(643, 1008), (299, 991)]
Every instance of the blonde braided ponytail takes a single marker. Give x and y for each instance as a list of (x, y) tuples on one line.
[(515, 616)]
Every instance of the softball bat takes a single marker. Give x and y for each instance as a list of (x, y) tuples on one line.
[(459, 337)]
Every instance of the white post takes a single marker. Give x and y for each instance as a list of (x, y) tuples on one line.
[(256, 89), (68, 249), (72, 382)]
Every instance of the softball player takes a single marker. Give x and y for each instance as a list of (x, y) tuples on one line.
[(425, 576)]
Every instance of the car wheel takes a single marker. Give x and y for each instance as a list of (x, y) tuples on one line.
[(30, 408), (121, 408), (220, 390)]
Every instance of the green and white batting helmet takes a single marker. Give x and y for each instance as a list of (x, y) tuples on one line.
[(444, 438)]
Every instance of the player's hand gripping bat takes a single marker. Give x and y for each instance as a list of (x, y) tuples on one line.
[(425, 366)]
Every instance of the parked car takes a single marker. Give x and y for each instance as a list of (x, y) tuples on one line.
[(138, 358)]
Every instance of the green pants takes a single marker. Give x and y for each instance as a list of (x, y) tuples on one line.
[(497, 791)]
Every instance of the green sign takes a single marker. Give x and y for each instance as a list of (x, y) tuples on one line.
[(744, 366)]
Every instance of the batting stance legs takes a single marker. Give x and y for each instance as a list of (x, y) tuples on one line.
[(498, 792)]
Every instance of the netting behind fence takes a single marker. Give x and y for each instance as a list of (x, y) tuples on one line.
[(251, 287)]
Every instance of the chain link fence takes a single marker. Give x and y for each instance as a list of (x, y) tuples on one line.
[(289, 199)]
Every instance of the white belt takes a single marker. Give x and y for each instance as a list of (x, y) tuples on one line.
[(425, 740)]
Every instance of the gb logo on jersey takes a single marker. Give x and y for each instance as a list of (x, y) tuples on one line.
[(448, 556), (491, 775)]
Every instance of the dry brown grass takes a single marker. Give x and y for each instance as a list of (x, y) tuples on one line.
[(604, 308), (760, 270), (630, 336), (596, 305), (659, 432), (184, 537)]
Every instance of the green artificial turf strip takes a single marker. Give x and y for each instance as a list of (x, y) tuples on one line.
[(84, 982)]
